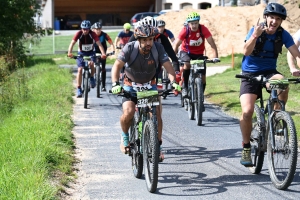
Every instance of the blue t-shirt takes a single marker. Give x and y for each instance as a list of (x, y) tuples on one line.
[(124, 37), (255, 64)]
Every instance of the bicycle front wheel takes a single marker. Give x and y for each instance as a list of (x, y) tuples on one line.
[(150, 155), (256, 140), (164, 78), (86, 88), (282, 157), (98, 80), (190, 103), (135, 144), (199, 96)]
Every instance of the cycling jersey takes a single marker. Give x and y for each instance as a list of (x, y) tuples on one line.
[(103, 37), (267, 61), (193, 42), (168, 33), (143, 69), (124, 37), (86, 42)]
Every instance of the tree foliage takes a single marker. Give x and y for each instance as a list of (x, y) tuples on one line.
[(15, 20)]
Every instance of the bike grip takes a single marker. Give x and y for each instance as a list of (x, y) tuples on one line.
[(241, 76), (109, 91)]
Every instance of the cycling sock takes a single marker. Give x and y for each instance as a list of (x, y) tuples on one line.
[(186, 74), (204, 86), (246, 145)]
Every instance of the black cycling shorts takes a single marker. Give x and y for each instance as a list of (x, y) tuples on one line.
[(186, 57), (248, 87)]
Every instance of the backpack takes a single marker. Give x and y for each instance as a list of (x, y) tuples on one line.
[(134, 50), (262, 40), (187, 28)]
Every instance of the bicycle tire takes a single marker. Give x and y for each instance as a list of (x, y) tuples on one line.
[(98, 80), (256, 142), (150, 155), (86, 88), (199, 96), (181, 100), (135, 143), (190, 104), (285, 151)]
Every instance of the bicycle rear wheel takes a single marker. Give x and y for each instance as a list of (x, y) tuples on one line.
[(258, 128), (199, 96), (282, 158), (135, 143), (86, 88), (150, 155), (98, 79)]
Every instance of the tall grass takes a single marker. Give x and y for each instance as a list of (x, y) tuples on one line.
[(36, 142)]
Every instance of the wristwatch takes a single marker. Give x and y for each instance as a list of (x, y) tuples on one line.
[(115, 83)]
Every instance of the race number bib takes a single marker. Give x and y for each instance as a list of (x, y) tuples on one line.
[(87, 47), (147, 98), (139, 87), (196, 42)]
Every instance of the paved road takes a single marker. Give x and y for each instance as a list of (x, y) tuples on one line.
[(201, 162)]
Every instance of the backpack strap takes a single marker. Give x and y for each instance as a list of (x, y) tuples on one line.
[(134, 50)]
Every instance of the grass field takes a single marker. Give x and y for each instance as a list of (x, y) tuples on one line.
[(58, 44)]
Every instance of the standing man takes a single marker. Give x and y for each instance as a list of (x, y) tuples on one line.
[(86, 39)]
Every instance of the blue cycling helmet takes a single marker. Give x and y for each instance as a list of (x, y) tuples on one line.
[(193, 16), (276, 9), (85, 24)]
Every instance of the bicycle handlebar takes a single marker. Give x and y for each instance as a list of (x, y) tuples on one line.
[(127, 94), (98, 55), (263, 80)]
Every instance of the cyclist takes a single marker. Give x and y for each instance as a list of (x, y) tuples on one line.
[(103, 37), (123, 36), (263, 43), (192, 40), (86, 39), (161, 29), (290, 58), (161, 38), (142, 69)]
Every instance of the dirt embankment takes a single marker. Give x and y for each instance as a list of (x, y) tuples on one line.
[(230, 25)]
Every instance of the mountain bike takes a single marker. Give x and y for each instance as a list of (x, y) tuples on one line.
[(144, 144), (273, 131), (98, 74), (85, 78), (195, 99)]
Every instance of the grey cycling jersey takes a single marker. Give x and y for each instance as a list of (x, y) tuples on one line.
[(143, 68)]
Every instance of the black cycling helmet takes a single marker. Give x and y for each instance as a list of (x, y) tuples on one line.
[(161, 23), (97, 25), (144, 31), (276, 9)]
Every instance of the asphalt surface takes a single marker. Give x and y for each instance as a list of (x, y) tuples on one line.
[(201, 162)]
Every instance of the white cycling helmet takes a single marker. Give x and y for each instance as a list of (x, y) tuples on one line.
[(150, 21)]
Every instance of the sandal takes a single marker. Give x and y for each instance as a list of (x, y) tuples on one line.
[(124, 146)]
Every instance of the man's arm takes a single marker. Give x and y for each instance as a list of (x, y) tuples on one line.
[(100, 47), (213, 45), (176, 44), (250, 43), (70, 49), (115, 71), (296, 54), (290, 59), (168, 66), (116, 41)]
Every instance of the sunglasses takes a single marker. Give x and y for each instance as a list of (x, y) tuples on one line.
[(85, 29)]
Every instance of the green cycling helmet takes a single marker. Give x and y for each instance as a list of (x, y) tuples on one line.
[(127, 26), (193, 16)]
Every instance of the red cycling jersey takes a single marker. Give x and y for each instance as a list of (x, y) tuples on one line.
[(85, 41), (193, 43)]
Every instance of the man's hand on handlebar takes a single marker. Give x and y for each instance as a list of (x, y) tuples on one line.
[(116, 89), (176, 86), (215, 60)]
